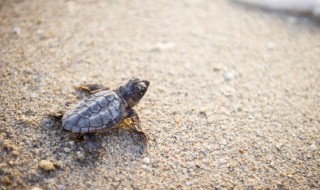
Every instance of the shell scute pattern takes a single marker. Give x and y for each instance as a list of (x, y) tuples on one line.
[(84, 112), (102, 101), (68, 126), (105, 115), (117, 103), (73, 119), (110, 98), (114, 110), (83, 122), (95, 120), (99, 111), (93, 106)]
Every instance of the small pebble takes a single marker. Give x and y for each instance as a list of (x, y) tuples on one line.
[(145, 167), (270, 45), (222, 161), (67, 149), (15, 153), (241, 151), (46, 165), (278, 147), (80, 155), (229, 75), (202, 112), (189, 183), (16, 31), (239, 108), (313, 147), (36, 188), (146, 160)]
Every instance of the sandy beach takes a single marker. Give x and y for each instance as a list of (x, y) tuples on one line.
[(233, 102)]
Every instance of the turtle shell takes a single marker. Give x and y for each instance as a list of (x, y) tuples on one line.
[(99, 111)]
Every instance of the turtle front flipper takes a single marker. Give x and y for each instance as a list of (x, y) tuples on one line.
[(136, 122)]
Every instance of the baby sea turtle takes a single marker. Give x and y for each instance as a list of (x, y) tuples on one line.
[(106, 109)]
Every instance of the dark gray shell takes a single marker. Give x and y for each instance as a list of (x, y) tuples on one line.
[(99, 111)]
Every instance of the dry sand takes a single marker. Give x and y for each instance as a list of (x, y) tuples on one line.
[(234, 100)]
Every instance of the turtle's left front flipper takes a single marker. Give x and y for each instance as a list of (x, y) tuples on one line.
[(136, 123)]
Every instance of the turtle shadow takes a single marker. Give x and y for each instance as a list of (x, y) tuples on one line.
[(117, 145)]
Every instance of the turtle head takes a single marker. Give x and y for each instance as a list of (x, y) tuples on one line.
[(133, 91)]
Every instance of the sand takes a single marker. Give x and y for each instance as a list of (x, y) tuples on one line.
[(234, 100)]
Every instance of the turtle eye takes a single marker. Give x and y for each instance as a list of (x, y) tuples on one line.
[(142, 91), (137, 89)]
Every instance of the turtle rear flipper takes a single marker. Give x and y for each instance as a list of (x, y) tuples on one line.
[(91, 143), (91, 88)]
